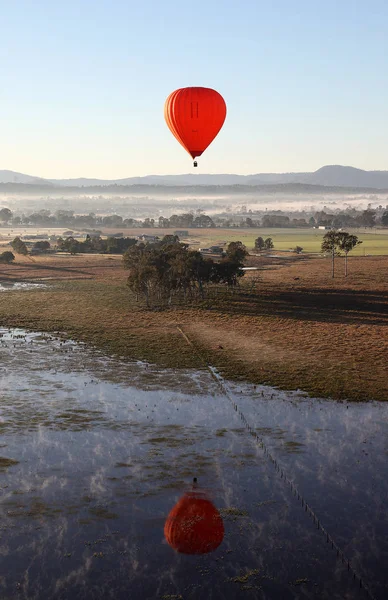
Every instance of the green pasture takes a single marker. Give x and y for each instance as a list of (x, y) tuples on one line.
[(373, 242)]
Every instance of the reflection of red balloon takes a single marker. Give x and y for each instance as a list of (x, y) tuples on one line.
[(194, 525), (195, 115)]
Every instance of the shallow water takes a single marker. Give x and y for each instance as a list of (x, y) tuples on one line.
[(94, 453), (10, 286)]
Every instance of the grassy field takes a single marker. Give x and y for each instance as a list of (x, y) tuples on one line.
[(291, 325), (309, 239), (9, 232), (373, 242)]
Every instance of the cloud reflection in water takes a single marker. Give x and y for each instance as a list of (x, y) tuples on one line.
[(104, 449)]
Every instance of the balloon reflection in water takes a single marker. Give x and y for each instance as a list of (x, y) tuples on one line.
[(194, 525)]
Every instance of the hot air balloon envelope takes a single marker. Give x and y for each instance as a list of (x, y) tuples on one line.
[(195, 115)]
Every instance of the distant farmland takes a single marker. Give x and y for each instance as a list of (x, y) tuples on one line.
[(374, 242)]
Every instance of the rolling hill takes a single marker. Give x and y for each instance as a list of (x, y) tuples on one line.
[(334, 176)]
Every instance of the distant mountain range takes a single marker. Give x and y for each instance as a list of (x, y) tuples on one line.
[(329, 176)]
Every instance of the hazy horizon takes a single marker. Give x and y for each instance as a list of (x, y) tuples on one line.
[(14, 173)]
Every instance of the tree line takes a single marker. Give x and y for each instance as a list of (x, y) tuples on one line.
[(94, 244), (67, 218), (161, 270), (91, 244)]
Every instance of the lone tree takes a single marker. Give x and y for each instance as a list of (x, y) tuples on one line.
[(6, 257), (330, 245), (19, 246), (346, 243), (268, 244), (259, 243)]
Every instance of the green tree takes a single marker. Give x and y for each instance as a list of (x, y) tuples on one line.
[(74, 247), (367, 218), (163, 222), (330, 244), (384, 219), (346, 243), (112, 221), (69, 245), (6, 257), (161, 269), (201, 221), (259, 243), (236, 252), (5, 215), (19, 246), (42, 245), (268, 244), (111, 244), (148, 222), (170, 239), (227, 271), (201, 270)]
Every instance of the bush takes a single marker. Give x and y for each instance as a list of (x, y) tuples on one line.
[(6, 257), (43, 246)]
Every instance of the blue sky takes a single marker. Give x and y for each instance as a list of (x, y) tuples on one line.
[(83, 84)]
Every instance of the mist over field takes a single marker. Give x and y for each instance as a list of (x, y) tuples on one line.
[(165, 202), (331, 188)]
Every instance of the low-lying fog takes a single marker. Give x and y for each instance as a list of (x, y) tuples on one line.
[(162, 204)]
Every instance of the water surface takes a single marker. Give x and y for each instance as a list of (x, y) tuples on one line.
[(95, 452), (11, 286)]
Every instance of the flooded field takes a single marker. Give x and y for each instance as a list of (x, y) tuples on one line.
[(95, 453), (10, 286)]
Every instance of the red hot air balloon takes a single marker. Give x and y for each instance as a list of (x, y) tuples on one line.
[(195, 115), (194, 525)]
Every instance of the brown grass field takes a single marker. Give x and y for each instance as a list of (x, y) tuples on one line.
[(291, 325)]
